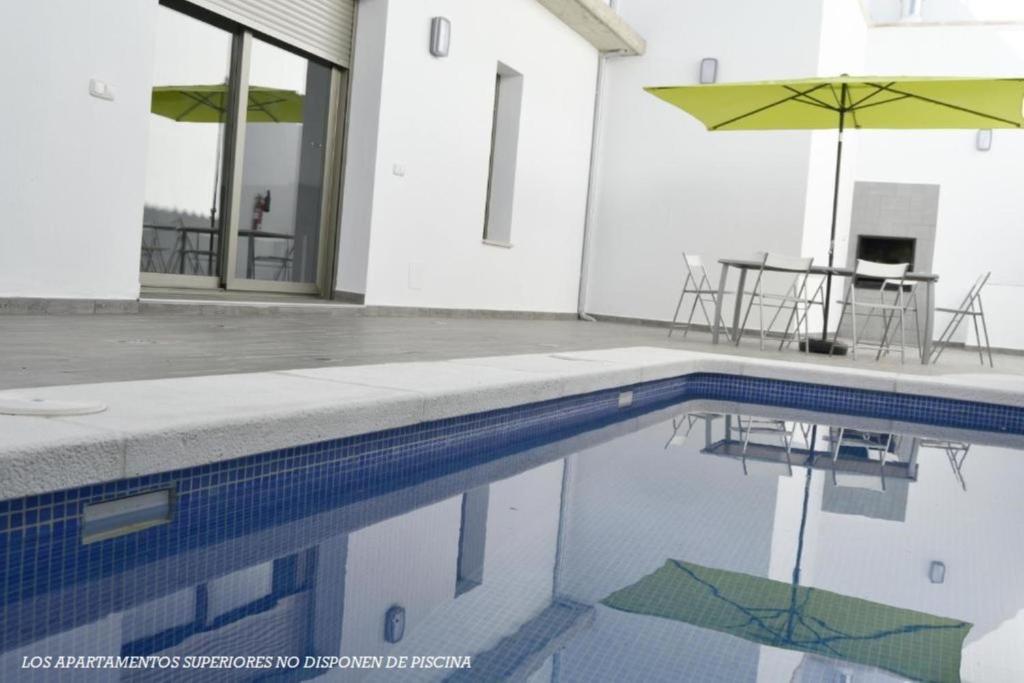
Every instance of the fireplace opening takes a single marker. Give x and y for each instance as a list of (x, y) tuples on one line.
[(884, 250)]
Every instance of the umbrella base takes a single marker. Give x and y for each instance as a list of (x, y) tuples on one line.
[(826, 346)]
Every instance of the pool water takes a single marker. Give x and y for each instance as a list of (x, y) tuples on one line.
[(711, 542)]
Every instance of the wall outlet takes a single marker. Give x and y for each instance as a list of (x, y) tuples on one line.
[(416, 275)]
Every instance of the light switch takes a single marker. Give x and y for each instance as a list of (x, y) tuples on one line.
[(100, 89), (415, 275)]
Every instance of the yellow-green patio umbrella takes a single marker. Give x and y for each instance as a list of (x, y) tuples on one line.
[(210, 103), (857, 102)]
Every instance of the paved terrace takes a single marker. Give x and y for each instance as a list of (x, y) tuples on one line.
[(181, 341)]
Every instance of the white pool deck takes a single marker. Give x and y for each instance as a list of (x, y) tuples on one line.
[(156, 425)]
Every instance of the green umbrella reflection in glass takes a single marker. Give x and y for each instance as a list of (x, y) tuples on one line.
[(211, 103), (882, 102)]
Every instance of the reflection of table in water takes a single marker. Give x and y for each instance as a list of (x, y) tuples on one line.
[(250, 262), (732, 445)]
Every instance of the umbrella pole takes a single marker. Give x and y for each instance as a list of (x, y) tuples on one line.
[(835, 215)]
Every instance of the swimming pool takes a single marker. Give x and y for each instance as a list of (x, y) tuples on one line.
[(689, 529)]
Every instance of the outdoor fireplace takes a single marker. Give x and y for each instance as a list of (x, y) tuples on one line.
[(884, 250)]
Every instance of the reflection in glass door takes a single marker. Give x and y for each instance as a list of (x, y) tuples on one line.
[(241, 151), (182, 218), (283, 161)]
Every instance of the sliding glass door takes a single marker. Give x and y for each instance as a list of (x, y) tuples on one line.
[(182, 221), (242, 155)]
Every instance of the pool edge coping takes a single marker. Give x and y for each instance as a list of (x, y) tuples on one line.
[(167, 424)]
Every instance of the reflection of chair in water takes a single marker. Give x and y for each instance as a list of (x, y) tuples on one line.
[(765, 427), (865, 444), (956, 452), (690, 419)]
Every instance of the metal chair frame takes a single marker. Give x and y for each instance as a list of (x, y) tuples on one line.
[(971, 307), (698, 283), (768, 426), (893, 276), (956, 452), (859, 439), (794, 299)]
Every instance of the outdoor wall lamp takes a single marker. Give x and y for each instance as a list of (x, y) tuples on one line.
[(936, 572), (708, 70), (440, 36), (984, 141), (912, 10)]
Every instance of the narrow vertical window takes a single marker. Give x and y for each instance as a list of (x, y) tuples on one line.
[(501, 176)]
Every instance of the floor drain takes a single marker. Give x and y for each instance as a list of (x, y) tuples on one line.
[(41, 407)]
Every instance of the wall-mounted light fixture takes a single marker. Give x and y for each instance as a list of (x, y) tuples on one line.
[(440, 36), (984, 141), (936, 572), (911, 10), (708, 70)]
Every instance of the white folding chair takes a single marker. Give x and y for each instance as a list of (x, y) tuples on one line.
[(971, 308), (893, 276), (698, 284), (793, 271)]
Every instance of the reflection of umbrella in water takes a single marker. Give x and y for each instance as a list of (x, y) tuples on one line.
[(210, 104), (913, 644), (862, 102)]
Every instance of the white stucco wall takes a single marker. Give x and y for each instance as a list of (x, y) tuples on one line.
[(426, 226), (72, 167), (665, 184), (981, 208)]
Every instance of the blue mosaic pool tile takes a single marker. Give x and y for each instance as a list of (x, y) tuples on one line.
[(40, 536)]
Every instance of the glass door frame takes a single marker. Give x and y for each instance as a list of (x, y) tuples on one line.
[(230, 191)]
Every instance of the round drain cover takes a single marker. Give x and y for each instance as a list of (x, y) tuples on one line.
[(41, 407)]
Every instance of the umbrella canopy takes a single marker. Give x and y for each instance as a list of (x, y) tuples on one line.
[(209, 104), (916, 645), (860, 102), (864, 102)]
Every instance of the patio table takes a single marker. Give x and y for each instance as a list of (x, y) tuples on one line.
[(744, 265)]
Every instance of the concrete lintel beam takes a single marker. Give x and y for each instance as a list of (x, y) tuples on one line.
[(599, 24)]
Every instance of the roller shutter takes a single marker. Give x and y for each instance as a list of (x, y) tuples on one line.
[(320, 27)]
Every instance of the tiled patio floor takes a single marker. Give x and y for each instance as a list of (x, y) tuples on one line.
[(46, 350)]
